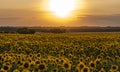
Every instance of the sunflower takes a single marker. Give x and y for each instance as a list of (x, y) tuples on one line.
[(55, 70), (32, 64), (25, 70), (100, 56), (16, 70), (114, 67), (36, 70), (2, 70), (42, 67), (30, 55), (38, 55), (26, 65), (37, 62), (81, 60), (85, 69), (70, 56), (62, 61), (67, 65), (57, 60), (102, 70), (97, 61), (6, 66), (29, 59), (19, 62), (0, 58), (77, 70), (81, 65), (92, 65), (61, 69)]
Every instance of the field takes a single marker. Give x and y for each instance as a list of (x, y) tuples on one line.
[(78, 52)]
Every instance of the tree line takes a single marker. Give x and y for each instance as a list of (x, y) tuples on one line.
[(32, 30), (26, 30)]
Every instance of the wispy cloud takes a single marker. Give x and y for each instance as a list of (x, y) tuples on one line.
[(34, 18), (99, 20)]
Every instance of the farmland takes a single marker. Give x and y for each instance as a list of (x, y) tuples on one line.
[(67, 52)]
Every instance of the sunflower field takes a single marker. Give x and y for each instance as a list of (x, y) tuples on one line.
[(70, 52)]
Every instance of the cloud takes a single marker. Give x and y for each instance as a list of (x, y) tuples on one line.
[(99, 20), (9, 18), (34, 18)]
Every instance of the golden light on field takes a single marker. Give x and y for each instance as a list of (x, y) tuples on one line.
[(62, 8)]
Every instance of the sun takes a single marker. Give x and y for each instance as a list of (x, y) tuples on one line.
[(62, 8)]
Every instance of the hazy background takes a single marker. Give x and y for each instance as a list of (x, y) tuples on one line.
[(31, 13)]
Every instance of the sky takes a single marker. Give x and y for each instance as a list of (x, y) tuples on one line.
[(35, 13)]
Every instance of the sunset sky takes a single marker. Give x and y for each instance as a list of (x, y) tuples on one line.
[(38, 13)]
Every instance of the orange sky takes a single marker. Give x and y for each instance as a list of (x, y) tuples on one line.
[(32, 13), (102, 6)]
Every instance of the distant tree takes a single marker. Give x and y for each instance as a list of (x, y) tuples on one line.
[(25, 31), (31, 31), (1, 32), (6, 32), (57, 30)]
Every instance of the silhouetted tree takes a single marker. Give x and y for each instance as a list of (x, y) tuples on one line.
[(57, 30), (25, 31)]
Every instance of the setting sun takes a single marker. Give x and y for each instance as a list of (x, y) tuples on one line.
[(62, 8)]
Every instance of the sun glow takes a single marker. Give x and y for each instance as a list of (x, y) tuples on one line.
[(62, 8)]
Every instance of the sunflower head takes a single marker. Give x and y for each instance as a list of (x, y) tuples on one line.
[(102, 70), (16, 70), (92, 65), (26, 70), (86, 69), (81, 65), (26, 65), (42, 67), (114, 67), (67, 65)]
